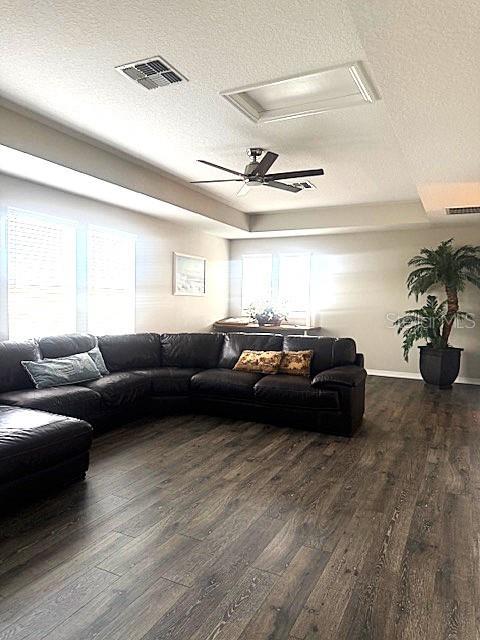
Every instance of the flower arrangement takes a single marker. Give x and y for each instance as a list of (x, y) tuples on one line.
[(267, 314)]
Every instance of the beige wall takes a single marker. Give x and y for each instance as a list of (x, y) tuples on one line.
[(156, 308), (357, 279), (62, 146)]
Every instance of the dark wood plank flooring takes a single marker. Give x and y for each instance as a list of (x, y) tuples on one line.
[(201, 528)]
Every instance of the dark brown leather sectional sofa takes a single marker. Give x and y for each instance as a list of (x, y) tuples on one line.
[(45, 434)]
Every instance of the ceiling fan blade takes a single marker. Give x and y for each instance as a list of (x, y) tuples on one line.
[(217, 166), (281, 185), (265, 164), (294, 174), (207, 181), (244, 190)]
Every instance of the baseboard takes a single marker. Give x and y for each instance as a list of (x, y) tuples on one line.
[(415, 376)]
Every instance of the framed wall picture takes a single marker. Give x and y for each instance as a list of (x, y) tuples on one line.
[(188, 275)]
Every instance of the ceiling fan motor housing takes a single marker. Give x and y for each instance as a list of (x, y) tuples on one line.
[(250, 168)]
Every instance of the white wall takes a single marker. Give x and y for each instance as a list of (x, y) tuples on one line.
[(156, 308), (357, 279)]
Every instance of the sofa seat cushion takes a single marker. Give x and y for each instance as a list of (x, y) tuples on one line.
[(34, 440), (168, 381), (120, 388), (75, 401), (225, 383), (283, 389)]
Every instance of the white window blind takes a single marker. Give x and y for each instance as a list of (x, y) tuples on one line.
[(110, 281), (294, 286), (41, 267), (256, 280), (283, 280)]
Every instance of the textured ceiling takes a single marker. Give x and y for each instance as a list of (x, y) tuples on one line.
[(59, 57), (426, 57)]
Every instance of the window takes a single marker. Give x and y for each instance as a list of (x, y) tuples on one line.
[(60, 277), (41, 270), (110, 281), (256, 280), (283, 279), (294, 286)]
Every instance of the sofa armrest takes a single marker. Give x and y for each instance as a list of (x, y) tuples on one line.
[(347, 376), (360, 360)]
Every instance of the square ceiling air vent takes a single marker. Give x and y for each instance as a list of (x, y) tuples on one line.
[(305, 184), (332, 88), (151, 73)]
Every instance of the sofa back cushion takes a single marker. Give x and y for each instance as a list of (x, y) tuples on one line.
[(191, 350), (65, 345), (236, 343), (12, 374), (131, 351), (327, 352)]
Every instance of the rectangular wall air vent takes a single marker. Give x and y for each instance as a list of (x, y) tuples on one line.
[(458, 211), (151, 73)]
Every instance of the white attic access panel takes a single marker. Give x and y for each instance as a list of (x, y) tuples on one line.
[(325, 90)]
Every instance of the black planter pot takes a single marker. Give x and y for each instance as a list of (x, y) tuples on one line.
[(440, 367)]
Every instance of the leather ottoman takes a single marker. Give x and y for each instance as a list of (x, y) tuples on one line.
[(38, 448)]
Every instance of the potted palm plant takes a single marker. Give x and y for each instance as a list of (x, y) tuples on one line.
[(452, 268)]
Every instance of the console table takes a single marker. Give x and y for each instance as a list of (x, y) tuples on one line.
[(227, 326)]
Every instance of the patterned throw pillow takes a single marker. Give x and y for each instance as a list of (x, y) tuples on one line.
[(57, 372), (259, 361), (296, 363)]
